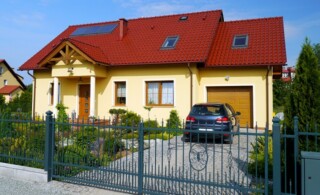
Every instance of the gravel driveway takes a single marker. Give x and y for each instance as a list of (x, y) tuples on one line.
[(178, 167)]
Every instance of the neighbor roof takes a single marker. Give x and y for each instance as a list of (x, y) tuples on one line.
[(8, 89), (202, 38)]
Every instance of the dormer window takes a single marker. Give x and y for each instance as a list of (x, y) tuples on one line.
[(240, 41), (170, 42)]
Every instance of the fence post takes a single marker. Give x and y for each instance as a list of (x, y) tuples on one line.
[(296, 149), (276, 148), (140, 159), (49, 145)]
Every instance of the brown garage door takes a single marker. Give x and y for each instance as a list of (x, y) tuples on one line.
[(240, 98)]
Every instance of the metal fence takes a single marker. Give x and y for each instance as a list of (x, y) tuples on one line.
[(22, 140), (146, 158)]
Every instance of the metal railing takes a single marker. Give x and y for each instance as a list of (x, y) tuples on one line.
[(152, 159)]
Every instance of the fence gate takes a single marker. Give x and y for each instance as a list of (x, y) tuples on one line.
[(144, 160)]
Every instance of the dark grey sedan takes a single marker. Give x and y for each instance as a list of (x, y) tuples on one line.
[(211, 121)]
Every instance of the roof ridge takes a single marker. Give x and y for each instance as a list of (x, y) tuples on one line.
[(82, 42), (253, 19), (147, 17)]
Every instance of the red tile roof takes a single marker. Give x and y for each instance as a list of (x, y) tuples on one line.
[(143, 40), (8, 89), (201, 40), (266, 43)]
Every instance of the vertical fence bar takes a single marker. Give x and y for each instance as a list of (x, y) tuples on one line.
[(266, 161), (48, 145), (296, 149), (276, 156), (140, 159)]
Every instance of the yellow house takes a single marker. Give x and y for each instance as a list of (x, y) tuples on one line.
[(11, 83), (167, 62)]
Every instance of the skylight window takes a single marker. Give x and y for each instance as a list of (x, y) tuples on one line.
[(170, 42), (240, 41), (183, 18), (91, 30)]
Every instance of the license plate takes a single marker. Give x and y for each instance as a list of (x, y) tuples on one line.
[(205, 129)]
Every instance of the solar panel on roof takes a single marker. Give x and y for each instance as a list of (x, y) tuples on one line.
[(91, 30)]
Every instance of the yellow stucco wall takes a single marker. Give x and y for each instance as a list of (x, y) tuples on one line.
[(136, 78), (6, 75), (255, 77)]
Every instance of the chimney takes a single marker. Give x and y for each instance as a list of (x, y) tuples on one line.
[(123, 27)]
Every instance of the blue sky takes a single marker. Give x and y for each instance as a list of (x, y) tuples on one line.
[(27, 26)]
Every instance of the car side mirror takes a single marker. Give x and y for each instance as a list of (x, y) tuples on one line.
[(238, 113)]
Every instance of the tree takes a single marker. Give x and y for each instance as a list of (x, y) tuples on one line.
[(280, 92), (2, 103), (22, 102), (303, 100), (316, 50)]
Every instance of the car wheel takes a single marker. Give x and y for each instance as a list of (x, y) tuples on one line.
[(229, 140), (186, 139)]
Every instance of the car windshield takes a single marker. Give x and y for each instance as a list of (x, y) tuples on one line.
[(209, 110)]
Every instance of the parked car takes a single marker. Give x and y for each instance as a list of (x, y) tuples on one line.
[(206, 119)]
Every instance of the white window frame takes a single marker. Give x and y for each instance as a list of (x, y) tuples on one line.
[(165, 43), (238, 37)]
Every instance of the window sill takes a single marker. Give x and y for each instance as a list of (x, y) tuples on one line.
[(161, 106)]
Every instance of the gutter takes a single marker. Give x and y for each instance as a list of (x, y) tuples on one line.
[(267, 93), (191, 86), (33, 95)]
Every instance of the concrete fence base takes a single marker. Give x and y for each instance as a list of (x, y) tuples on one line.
[(23, 173)]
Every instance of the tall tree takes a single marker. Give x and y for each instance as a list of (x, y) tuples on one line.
[(316, 49), (304, 100), (280, 91)]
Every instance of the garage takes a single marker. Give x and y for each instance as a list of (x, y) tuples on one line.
[(240, 98)]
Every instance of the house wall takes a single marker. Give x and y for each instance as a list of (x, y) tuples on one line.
[(255, 77), (6, 75), (9, 97), (136, 77), (42, 101)]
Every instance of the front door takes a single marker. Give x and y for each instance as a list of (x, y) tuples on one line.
[(84, 101)]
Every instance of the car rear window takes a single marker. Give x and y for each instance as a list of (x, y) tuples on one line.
[(209, 110)]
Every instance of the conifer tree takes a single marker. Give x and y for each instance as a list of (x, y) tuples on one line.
[(303, 100)]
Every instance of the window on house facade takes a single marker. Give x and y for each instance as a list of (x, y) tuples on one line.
[(240, 41), (1, 71), (120, 93), (5, 82), (160, 93), (170, 42)]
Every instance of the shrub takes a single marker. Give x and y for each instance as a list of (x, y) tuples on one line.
[(62, 119), (113, 145), (130, 119), (152, 127), (256, 164), (116, 113), (174, 120), (85, 137)]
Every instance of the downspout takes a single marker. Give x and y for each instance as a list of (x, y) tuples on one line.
[(191, 86), (267, 94), (33, 95)]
